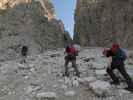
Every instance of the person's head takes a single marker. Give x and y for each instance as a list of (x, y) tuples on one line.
[(71, 43), (114, 33), (115, 47)]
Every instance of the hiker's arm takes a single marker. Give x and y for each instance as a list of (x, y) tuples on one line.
[(109, 53), (65, 51)]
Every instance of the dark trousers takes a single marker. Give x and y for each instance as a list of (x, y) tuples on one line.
[(23, 60), (121, 68), (73, 61)]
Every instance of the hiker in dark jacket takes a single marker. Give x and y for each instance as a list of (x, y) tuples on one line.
[(24, 53), (118, 58), (71, 54)]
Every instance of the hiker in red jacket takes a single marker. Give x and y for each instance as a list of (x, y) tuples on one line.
[(71, 54), (118, 57)]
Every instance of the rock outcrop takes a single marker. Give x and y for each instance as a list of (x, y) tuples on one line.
[(46, 4), (32, 23), (101, 22)]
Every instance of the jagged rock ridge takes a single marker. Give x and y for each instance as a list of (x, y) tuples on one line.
[(96, 20)]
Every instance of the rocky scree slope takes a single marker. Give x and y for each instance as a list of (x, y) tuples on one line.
[(41, 78)]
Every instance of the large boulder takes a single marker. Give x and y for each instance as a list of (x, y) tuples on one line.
[(100, 88)]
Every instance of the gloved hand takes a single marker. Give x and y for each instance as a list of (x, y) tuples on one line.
[(104, 52), (109, 66)]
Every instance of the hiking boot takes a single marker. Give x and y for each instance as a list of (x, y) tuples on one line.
[(66, 74), (129, 89), (115, 83), (78, 74)]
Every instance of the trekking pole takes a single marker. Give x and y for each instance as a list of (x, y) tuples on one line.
[(114, 37)]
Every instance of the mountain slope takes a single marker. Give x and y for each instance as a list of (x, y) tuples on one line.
[(41, 78), (29, 22)]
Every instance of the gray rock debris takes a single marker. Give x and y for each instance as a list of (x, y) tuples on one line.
[(70, 93), (100, 88), (46, 95)]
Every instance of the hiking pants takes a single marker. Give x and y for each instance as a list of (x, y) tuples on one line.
[(121, 68), (73, 61), (23, 60)]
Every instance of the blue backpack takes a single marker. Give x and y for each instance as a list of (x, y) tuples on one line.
[(122, 54)]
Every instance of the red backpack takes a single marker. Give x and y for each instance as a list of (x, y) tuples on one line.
[(71, 51)]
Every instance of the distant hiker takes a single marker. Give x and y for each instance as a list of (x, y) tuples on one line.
[(118, 57), (71, 54), (24, 53)]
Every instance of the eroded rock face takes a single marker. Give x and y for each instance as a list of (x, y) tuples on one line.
[(29, 22), (4, 4), (96, 20), (46, 4)]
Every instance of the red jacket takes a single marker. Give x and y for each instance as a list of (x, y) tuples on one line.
[(115, 48), (71, 50)]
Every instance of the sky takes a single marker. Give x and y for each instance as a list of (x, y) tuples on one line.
[(64, 10)]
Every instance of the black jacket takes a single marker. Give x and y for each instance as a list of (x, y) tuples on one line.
[(24, 51)]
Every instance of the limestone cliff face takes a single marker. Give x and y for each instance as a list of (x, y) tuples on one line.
[(46, 4), (96, 20), (31, 23)]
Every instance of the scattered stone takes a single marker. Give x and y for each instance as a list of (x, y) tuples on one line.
[(55, 86), (32, 89), (129, 67), (130, 62), (25, 74), (68, 81), (64, 87), (9, 67), (87, 80), (101, 73), (70, 93), (100, 88), (46, 95), (75, 82), (89, 59), (60, 81), (36, 83), (23, 67), (122, 91), (31, 65), (33, 70), (55, 55), (130, 72), (29, 90), (99, 66), (45, 79)]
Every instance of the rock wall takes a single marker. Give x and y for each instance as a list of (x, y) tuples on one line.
[(102, 22), (29, 23), (46, 4)]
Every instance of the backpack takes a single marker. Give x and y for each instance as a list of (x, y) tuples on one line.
[(71, 51), (123, 55)]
